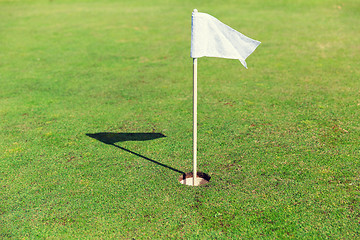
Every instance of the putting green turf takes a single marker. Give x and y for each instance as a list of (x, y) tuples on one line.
[(280, 140)]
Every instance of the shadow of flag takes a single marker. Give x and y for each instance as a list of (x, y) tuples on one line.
[(112, 138)]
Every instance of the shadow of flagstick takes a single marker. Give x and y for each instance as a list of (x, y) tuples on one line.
[(146, 158), (111, 138)]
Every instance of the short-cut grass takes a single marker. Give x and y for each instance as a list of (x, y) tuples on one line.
[(280, 140)]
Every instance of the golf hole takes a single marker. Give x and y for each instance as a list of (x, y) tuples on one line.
[(201, 179)]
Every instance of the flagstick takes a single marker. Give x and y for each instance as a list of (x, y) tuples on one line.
[(195, 119)]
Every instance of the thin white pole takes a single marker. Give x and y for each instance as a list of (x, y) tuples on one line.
[(194, 120)]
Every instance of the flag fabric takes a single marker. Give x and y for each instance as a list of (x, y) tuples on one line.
[(212, 38)]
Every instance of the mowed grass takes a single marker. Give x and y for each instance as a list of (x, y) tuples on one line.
[(280, 140)]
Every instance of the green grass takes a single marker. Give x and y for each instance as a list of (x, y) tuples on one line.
[(280, 140)]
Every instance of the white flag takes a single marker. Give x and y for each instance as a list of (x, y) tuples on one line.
[(212, 38)]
